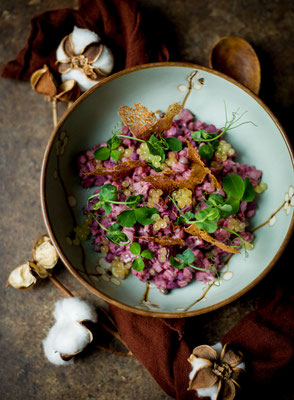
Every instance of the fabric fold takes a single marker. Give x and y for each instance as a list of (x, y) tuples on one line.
[(119, 23)]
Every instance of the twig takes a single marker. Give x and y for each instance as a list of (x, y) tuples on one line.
[(113, 333), (54, 112), (119, 353), (60, 286)]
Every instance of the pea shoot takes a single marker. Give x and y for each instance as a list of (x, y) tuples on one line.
[(143, 215), (157, 144), (138, 264), (110, 150), (185, 260), (218, 207), (108, 195), (207, 150), (114, 233)]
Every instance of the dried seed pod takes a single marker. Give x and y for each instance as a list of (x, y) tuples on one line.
[(44, 254), (68, 91), (42, 82), (39, 270), (22, 277)]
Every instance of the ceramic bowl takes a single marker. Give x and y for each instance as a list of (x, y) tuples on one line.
[(90, 120)]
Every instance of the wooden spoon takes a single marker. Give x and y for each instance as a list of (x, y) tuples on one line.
[(236, 58)]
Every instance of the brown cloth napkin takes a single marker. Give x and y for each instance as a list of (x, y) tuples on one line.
[(119, 23), (266, 337), (163, 345)]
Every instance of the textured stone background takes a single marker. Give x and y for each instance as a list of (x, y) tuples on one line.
[(25, 127)]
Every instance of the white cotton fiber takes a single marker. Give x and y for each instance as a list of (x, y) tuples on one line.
[(65, 338), (74, 309), (78, 76), (105, 62), (70, 338), (82, 37), (49, 345)]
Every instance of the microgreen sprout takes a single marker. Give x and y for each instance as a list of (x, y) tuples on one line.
[(210, 138), (138, 263), (110, 150), (218, 207), (157, 144), (186, 259), (108, 195), (114, 233), (143, 215)]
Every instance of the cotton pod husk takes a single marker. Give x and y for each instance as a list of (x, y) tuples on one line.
[(42, 82), (44, 254), (68, 91), (83, 57), (22, 277)]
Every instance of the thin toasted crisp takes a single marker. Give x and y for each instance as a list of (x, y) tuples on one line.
[(164, 240), (194, 157), (142, 122), (163, 182), (120, 170), (195, 231)]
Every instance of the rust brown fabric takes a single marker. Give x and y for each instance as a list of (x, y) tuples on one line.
[(119, 23), (160, 347), (163, 345)]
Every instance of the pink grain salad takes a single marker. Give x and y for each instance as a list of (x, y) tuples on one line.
[(170, 202)]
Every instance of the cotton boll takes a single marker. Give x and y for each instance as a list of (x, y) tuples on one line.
[(60, 55), (80, 77), (208, 392), (50, 348), (82, 37), (106, 61), (197, 363), (65, 339), (74, 309), (71, 338)]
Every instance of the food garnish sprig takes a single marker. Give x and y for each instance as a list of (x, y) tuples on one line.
[(218, 207), (157, 147), (138, 263), (108, 195), (210, 139), (186, 259)]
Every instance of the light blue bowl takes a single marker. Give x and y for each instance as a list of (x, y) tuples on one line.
[(90, 120)]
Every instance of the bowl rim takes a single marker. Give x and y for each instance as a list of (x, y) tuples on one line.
[(150, 313)]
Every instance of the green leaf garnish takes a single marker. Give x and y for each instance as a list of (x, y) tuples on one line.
[(202, 136), (103, 153), (186, 259), (118, 237), (138, 264), (114, 142), (206, 151), (114, 233), (249, 193), (147, 254), (115, 154), (127, 218), (234, 186), (135, 248), (144, 215), (174, 144)]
